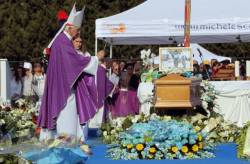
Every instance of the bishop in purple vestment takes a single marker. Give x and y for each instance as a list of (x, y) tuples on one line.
[(71, 95)]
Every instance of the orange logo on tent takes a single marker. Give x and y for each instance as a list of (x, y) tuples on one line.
[(120, 29)]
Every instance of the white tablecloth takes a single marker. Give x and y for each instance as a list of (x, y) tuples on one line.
[(233, 100)]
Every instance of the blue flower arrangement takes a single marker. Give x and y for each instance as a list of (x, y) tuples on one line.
[(159, 139)]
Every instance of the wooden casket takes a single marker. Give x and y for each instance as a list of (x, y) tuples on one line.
[(176, 92)]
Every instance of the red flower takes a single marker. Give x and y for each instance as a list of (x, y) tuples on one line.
[(46, 51), (37, 131)]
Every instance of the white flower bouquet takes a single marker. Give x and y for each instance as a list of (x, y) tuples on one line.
[(208, 96), (17, 122)]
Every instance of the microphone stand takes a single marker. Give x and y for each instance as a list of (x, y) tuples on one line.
[(201, 56)]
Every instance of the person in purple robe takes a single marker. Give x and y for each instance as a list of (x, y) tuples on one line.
[(70, 97), (104, 88), (125, 101)]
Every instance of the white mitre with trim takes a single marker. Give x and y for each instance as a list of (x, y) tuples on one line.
[(75, 19)]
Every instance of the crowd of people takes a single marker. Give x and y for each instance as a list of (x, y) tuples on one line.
[(27, 81), (209, 69), (123, 100)]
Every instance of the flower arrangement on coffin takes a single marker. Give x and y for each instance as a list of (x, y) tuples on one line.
[(149, 73), (147, 57), (208, 96), (175, 70), (243, 148), (159, 139)]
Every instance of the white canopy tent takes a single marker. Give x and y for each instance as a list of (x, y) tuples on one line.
[(206, 55), (162, 22)]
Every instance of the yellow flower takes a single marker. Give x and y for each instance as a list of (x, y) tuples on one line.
[(139, 147), (200, 145), (195, 148), (199, 137), (129, 146), (152, 150), (184, 149), (197, 128), (190, 154), (174, 149)]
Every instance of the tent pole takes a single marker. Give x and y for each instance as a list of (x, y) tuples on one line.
[(111, 56), (111, 51), (96, 46), (187, 23)]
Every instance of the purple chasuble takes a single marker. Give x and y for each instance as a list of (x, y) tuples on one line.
[(125, 103), (104, 86), (65, 71)]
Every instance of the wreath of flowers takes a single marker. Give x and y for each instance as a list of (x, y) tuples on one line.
[(159, 139)]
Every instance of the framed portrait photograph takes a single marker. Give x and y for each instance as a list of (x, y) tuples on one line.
[(175, 58)]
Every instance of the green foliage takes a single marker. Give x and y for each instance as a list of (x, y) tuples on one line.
[(27, 26), (11, 158), (127, 123), (241, 142)]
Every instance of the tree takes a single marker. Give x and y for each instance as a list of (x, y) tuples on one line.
[(27, 26)]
